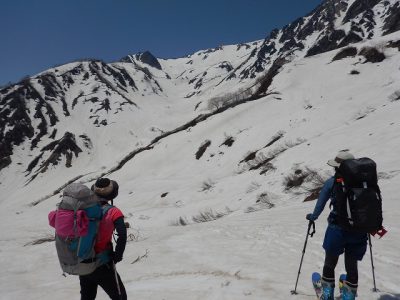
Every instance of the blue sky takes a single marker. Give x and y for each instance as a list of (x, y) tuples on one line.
[(39, 34)]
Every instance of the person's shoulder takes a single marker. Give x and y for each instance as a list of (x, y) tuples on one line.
[(116, 213)]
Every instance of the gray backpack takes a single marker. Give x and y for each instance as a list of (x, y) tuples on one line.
[(76, 222)]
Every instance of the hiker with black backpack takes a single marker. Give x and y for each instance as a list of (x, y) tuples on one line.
[(356, 211), (105, 274)]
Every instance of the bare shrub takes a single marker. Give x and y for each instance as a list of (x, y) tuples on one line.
[(307, 181), (140, 257), (363, 113), (290, 144), (228, 99), (313, 184), (263, 161), (395, 96), (264, 201), (295, 179), (249, 156), (276, 137), (229, 140), (207, 185), (209, 215), (258, 161), (253, 187), (135, 235), (182, 221), (253, 155), (46, 239), (308, 176), (218, 102), (266, 168)]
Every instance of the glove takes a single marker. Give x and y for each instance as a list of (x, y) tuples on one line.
[(310, 217)]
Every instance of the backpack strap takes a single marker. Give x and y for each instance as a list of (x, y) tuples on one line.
[(336, 184), (104, 256), (106, 208)]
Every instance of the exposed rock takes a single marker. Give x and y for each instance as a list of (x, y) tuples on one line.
[(64, 147), (392, 21), (394, 44), (327, 43), (266, 80), (350, 38), (226, 65), (202, 149), (359, 7), (4, 162), (238, 47), (15, 118), (372, 55), (149, 59), (346, 52)]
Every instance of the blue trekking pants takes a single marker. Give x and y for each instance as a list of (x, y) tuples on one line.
[(338, 241)]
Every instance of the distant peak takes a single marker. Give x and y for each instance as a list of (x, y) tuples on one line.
[(144, 57)]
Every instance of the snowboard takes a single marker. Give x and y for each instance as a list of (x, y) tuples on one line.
[(316, 282)]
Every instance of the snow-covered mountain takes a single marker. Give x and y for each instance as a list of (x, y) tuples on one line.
[(93, 94), (237, 133)]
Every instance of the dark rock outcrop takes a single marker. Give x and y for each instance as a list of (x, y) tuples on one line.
[(372, 55), (346, 52), (392, 21), (65, 147), (149, 59)]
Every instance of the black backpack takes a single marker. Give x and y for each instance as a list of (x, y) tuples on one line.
[(358, 197)]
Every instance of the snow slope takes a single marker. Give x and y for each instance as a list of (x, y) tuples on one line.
[(254, 250)]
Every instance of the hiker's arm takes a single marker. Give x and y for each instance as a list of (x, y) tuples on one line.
[(323, 198), (121, 240)]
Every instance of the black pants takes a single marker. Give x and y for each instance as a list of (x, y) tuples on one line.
[(105, 277), (350, 265)]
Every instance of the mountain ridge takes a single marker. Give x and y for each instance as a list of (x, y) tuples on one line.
[(34, 109), (213, 169)]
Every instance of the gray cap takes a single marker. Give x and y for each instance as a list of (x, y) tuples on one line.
[(341, 156)]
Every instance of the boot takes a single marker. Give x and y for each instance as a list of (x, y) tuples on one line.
[(349, 291), (328, 288)]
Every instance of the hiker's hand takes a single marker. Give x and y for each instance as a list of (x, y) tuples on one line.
[(310, 217)]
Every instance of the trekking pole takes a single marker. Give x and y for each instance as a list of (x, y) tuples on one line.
[(117, 281), (372, 263), (311, 223)]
